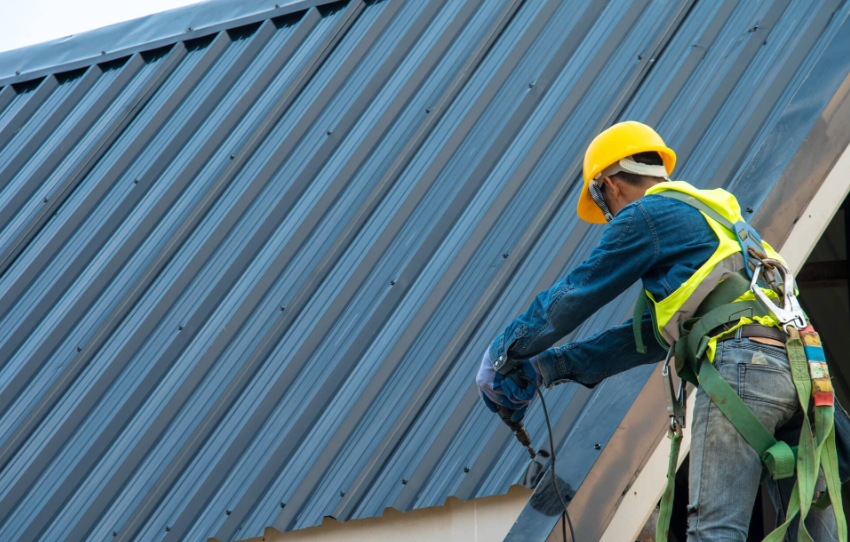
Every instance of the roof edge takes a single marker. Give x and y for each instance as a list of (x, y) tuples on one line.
[(141, 34)]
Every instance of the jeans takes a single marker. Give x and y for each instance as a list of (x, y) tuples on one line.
[(724, 469)]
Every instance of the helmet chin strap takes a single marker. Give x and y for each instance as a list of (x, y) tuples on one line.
[(596, 196)]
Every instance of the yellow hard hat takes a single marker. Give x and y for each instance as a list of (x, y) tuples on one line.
[(617, 142)]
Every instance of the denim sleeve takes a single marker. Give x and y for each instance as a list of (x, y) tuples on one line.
[(628, 249), (605, 354)]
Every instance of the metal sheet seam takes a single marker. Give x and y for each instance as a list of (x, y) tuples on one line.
[(135, 522), (107, 436), (23, 280), (19, 381), (44, 90), (213, 142), (35, 417), (130, 70), (414, 406)]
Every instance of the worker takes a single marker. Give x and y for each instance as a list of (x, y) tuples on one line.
[(684, 244)]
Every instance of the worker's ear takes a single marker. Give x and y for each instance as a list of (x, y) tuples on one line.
[(613, 188)]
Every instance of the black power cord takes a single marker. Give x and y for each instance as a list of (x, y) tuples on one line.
[(554, 479)]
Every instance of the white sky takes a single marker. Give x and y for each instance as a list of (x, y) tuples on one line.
[(25, 22)]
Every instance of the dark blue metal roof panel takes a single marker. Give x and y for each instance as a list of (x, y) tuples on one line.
[(246, 275)]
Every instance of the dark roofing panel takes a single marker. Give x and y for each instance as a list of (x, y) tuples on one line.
[(259, 267)]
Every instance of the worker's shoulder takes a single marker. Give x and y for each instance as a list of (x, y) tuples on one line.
[(656, 203)]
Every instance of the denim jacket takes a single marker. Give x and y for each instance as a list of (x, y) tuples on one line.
[(656, 239)]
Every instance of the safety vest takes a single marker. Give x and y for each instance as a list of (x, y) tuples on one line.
[(717, 294), (669, 314)]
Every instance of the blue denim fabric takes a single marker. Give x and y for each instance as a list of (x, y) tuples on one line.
[(724, 469), (655, 239)]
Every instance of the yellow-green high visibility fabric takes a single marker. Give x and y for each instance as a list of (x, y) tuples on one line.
[(672, 311)]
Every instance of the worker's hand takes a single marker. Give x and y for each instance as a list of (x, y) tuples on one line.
[(493, 389), (521, 384), (490, 386)]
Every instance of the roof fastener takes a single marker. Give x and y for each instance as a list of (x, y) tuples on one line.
[(190, 29), (180, 328), (283, 505), (227, 512), (505, 255), (135, 181), (114, 533), (103, 52), (277, 6), (466, 469), (329, 132), (403, 481), (45, 200), (392, 283), (640, 57), (749, 209), (17, 72), (531, 84), (597, 446), (428, 110), (79, 349), (167, 528), (342, 493), (232, 156), (282, 308)]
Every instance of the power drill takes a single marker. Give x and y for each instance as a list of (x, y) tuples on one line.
[(518, 429)]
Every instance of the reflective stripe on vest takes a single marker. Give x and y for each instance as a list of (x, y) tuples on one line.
[(680, 305)]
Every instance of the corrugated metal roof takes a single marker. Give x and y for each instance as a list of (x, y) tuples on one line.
[(247, 277)]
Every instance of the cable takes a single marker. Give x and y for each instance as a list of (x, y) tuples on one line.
[(554, 481)]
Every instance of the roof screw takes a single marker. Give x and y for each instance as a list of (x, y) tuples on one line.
[(79, 349), (428, 110), (597, 446), (329, 132), (45, 200), (466, 469), (283, 505), (167, 528), (505, 255), (180, 328), (342, 493), (227, 512), (282, 308), (392, 283), (190, 29), (232, 157), (277, 6), (135, 181), (795, 220), (103, 52), (749, 209), (17, 72), (404, 481), (114, 533), (531, 84), (640, 57)]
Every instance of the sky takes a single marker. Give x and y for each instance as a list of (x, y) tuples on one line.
[(25, 22)]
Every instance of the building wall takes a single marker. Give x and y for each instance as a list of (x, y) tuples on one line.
[(487, 518)]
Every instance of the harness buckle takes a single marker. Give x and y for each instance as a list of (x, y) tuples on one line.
[(790, 313), (676, 407)]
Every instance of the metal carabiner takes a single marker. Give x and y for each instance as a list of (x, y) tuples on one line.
[(790, 313), (676, 408)]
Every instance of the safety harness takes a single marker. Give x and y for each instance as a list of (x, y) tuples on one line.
[(726, 305)]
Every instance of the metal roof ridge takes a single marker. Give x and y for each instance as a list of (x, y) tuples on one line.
[(144, 33)]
